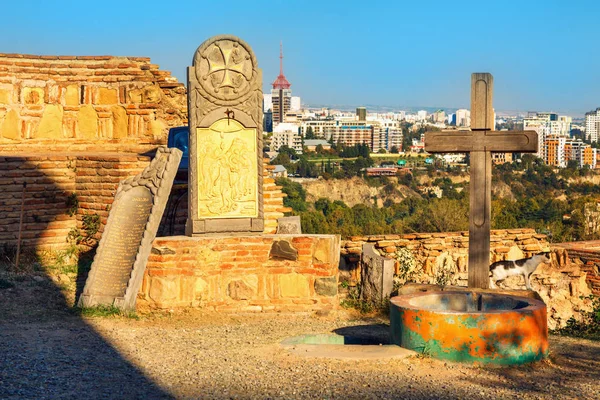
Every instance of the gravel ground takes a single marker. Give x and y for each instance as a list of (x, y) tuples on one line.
[(46, 351)]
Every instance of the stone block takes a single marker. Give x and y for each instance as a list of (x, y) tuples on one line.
[(200, 289), (5, 96), (326, 286), (87, 121), (32, 96), (51, 126), (289, 226), (515, 253), (10, 126), (293, 285), (283, 249), (164, 289), (533, 247), (239, 290), (377, 275), (323, 251), (107, 96), (72, 95), (119, 119)]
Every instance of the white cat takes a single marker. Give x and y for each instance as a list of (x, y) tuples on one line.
[(501, 270)]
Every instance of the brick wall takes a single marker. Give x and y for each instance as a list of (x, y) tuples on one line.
[(87, 99), (55, 181), (241, 273), (55, 184)]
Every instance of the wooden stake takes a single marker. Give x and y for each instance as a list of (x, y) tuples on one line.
[(17, 258)]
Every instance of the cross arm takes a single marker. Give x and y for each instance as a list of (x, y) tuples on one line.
[(481, 140)]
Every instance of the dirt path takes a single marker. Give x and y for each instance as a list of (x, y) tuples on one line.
[(48, 352)]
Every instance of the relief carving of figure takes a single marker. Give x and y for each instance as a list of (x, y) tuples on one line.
[(226, 163)]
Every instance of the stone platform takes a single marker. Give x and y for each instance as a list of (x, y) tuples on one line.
[(245, 273)]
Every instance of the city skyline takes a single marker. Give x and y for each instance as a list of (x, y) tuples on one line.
[(345, 53)]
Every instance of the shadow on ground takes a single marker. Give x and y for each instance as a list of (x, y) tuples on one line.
[(48, 351), (372, 334)]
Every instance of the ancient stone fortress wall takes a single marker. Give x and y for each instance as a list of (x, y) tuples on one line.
[(442, 258), (62, 189), (87, 99), (243, 273)]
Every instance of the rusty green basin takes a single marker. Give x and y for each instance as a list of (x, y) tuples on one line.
[(471, 326)]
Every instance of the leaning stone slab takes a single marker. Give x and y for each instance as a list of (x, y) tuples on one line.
[(120, 261), (377, 275)]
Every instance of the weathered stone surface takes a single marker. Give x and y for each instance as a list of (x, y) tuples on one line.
[(156, 128), (87, 121), (283, 249), (225, 120), (377, 275), (72, 95), (5, 96), (208, 256), (293, 285), (323, 251), (163, 289), (118, 268), (10, 126), (51, 126), (239, 290), (162, 250), (289, 225), (32, 96), (200, 289), (515, 253), (107, 96), (326, 286), (119, 122)]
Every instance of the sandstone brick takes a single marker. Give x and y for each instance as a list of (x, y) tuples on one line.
[(293, 285), (10, 126), (51, 126)]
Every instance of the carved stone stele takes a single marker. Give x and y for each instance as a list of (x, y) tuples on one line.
[(119, 264), (225, 146)]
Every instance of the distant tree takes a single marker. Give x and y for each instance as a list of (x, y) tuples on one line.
[(381, 151), (310, 134), (296, 195), (289, 151), (394, 150)]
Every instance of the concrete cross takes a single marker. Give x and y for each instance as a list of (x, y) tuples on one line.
[(480, 142)]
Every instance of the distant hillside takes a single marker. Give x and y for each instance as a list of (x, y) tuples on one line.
[(354, 191)]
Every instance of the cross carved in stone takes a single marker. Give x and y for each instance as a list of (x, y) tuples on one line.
[(480, 142)]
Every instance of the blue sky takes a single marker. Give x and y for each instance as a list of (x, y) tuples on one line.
[(544, 55)]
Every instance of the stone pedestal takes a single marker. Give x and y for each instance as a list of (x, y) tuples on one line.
[(243, 273)]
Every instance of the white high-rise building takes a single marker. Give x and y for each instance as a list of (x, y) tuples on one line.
[(463, 117), (287, 134), (267, 102), (421, 115), (547, 124), (592, 125), (296, 103)]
